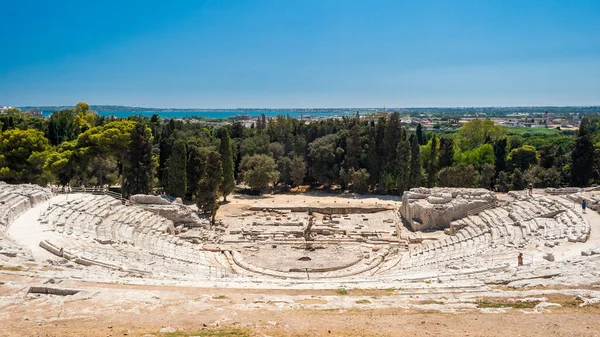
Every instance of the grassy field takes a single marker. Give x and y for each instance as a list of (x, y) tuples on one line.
[(522, 131)]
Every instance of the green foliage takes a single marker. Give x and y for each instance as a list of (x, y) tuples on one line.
[(415, 163), (259, 171), (403, 166), (298, 170), (486, 176), (582, 156), (208, 189), (523, 157), (325, 156), (228, 183), (460, 175), (359, 180), (431, 163), (176, 170), (284, 165), (140, 156), (446, 157), (518, 181), (477, 132), (477, 157), (23, 156), (543, 177), (62, 127)]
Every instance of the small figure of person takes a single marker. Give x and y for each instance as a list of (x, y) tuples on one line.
[(583, 205), (520, 259), (530, 189), (62, 252)]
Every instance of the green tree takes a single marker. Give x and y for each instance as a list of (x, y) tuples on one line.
[(195, 167), (518, 181), (460, 175), (176, 170), (140, 175), (415, 163), (488, 171), (62, 127), (432, 166), (23, 156), (503, 182), (420, 135), (111, 139), (298, 170), (403, 166), (258, 171), (360, 180), (446, 157), (523, 157), (477, 157), (500, 154), (391, 137), (375, 150), (325, 158), (582, 157), (284, 166), (208, 191), (228, 183), (477, 132), (353, 148)]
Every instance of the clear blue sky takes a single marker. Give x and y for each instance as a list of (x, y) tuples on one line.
[(300, 53)]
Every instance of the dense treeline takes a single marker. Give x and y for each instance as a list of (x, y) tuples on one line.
[(193, 161)]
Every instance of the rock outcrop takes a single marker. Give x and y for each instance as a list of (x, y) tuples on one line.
[(149, 199), (179, 214), (428, 208)]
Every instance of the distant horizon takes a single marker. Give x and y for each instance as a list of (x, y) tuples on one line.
[(316, 107)]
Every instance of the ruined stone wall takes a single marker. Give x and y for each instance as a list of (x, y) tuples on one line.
[(320, 209), (435, 208)]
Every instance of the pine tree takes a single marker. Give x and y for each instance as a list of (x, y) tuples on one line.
[(140, 173), (228, 183), (176, 170), (582, 157), (415, 162)]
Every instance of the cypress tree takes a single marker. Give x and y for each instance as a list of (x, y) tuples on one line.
[(415, 162), (228, 183), (582, 157), (432, 165), (140, 175), (446, 158), (420, 136), (176, 170), (206, 198), (500, 154), (353, 148), (391, 137), (403, 165), (196, 159)]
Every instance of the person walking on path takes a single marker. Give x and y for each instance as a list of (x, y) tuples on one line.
[(520, 259), (583, 205), (530, 189)]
